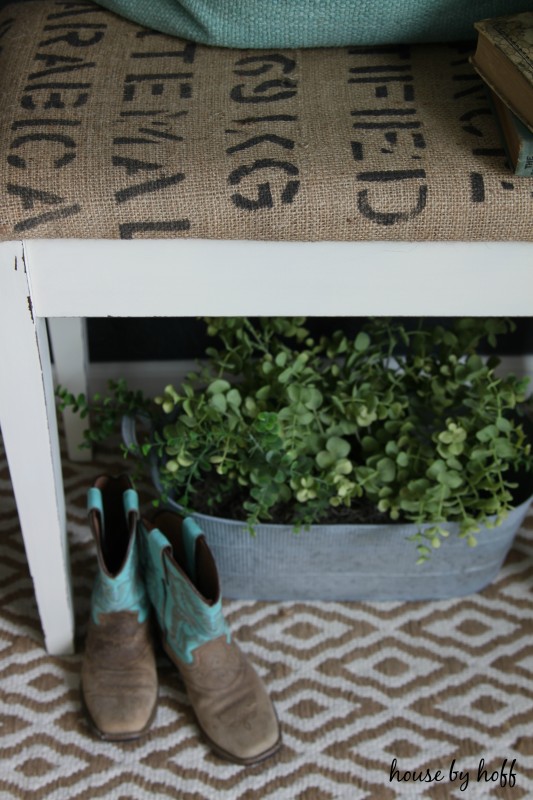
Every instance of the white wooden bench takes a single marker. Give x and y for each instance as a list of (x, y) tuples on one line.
[(142, 176)]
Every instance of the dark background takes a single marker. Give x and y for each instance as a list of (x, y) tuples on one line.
[(113, 339)]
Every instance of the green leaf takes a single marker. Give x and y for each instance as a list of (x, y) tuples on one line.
[(362, 342), (294, 392), (234, 398), (220, 385), (369, 444), (487, 434), (314, 400), (339, 448), (187, 407), (479, 454), (219, 403), (504, 425), (324, 459), (343, 467), (450, 478), (504, 449), (402, 459), (436, 469), (387, 469)]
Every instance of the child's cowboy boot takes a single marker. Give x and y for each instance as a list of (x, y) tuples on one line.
[(229, 699), (118, 675)]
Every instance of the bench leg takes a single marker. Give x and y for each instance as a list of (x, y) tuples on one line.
[(29, 428), (67, 336)]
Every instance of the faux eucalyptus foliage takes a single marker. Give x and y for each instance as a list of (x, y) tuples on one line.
[(406, 418)]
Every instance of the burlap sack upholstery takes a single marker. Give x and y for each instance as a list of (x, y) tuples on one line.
[(109, 130)]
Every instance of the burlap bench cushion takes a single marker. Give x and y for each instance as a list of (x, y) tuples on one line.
[(110, 130)]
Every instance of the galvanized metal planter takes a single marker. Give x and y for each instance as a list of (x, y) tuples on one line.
[(348, 562), (351, 562)]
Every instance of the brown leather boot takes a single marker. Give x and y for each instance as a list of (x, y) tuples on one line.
[(229, 699), (118, 674)]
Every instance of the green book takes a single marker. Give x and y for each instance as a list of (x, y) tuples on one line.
[(516, 138)]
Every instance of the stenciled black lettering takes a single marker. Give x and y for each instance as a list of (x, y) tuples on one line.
[(66, 26), (32, 87), (376, 68), (477, 187), (391, 217), (61, 70), (383, 112), (266, 62), (160, 54), (264, 192), (468, 116), (53, 100), (48, 216), (382, 79), (29, 196), (488, 152), (266, 118), (155, 83), (148, 187), (134, 165), (148, 132), (187, 53), (402, 50), (129, 229), (472, 90), (357, 151), (66, 141), (74, 39), (154, 77), (46, 123), (391, 175), (154, 112), (376, 126), (260, 95), (52, 59), (281, 141)]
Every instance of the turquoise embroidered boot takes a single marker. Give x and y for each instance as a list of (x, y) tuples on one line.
[(229, 699), (118, 675)]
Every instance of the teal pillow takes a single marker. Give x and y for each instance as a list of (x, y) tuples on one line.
[(314, 23)]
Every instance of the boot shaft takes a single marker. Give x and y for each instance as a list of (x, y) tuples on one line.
[(182, 582), (113, 508)]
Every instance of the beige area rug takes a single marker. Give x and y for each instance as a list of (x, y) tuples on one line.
[(437, 686)]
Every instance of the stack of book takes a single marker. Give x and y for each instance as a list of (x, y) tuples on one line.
[(504, 59)]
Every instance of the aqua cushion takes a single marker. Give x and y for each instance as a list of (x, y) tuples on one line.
[(313, 23)]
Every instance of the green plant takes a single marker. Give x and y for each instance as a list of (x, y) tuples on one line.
[(407, 419)]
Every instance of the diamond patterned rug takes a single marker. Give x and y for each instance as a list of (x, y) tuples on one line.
[(436, 686)]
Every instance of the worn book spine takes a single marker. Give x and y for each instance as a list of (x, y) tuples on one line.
[(504, 59), (513, 36), (516, 138)]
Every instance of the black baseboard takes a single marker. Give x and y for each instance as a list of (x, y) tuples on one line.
[(162, 339)]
